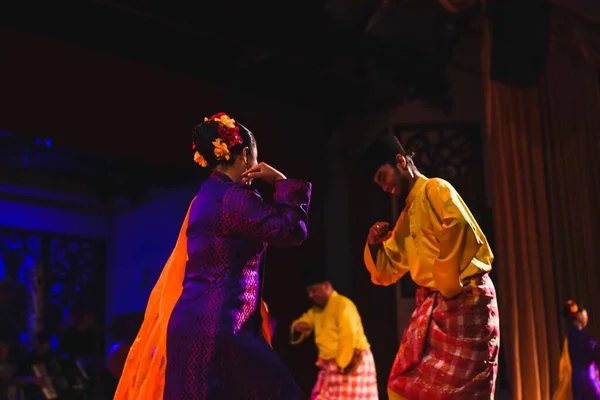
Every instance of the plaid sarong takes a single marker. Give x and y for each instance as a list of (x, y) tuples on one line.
[(449, 349), (359, 384)]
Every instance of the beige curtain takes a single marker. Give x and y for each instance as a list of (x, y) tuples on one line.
[(544, 152)]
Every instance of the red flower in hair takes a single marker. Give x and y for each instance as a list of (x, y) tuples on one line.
[(228, 130), (230, 135), (218, 116)]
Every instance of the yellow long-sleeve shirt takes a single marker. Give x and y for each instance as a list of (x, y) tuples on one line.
[(337, 327), (436, 239)]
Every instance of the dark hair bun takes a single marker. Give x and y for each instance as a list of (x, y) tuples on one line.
[(206, 131), (217, 140), (202, 137)]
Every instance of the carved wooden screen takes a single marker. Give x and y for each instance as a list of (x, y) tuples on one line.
[(47, 276)]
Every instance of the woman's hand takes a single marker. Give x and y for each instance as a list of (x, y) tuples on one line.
[(262, 171)]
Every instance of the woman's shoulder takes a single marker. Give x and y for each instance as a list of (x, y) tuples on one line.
[(576, 334), (241, 189), (214, 185), (239, 193)]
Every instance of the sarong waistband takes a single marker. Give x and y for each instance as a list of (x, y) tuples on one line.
[(473, 281), (357, 352)]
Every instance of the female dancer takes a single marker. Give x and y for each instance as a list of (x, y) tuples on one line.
[(202, 339), (580, 359)]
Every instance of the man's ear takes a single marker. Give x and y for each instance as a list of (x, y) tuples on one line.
[(401, 161)]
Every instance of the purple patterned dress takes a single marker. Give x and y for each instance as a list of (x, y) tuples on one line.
[(585, 360), (215, 349)]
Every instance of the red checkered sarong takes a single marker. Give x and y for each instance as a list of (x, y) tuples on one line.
[(449, 349), (359, 384)]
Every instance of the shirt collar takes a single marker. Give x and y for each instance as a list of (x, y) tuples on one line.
[(419, 184), (333, 295)]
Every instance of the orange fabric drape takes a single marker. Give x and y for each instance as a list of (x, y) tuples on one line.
[(563, 391), (266, 325), (143, 375), (144, 370), (544, 154)]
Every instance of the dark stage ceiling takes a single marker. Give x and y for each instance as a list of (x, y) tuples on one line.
[(316, 54), (330, 58)]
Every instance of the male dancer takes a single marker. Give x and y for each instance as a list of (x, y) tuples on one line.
[(449, 350), (346, 365)]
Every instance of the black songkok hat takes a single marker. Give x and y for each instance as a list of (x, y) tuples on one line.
[(314, 274), (382, 150)]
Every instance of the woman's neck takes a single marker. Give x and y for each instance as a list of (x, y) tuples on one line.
[(230, 172)]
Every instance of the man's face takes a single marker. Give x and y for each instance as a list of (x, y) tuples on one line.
[(392, 179), (319, 293), (388, 179)]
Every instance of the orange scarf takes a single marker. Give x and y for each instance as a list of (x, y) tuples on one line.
[(563, 392), (143, 375)]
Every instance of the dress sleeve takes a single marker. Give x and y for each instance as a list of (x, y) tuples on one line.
[(458, 241), (284, 223)]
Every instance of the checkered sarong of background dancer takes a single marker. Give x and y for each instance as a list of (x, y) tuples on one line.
[(358, 384), (450, 347)]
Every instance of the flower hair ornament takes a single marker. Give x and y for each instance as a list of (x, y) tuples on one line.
[(228, 137), (573, 308)]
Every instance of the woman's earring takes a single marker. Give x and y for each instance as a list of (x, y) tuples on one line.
[(247, 181)]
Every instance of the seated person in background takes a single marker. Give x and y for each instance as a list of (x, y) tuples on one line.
[(16, 379)]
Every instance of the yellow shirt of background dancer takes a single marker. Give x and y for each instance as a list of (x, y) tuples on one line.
[(337, 327)]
